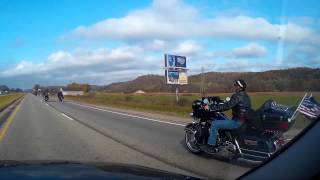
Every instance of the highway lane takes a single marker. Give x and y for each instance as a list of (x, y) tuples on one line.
[(67, 131), (39, 132), (156, 139)]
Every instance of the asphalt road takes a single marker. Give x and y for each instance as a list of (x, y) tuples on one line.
[(69, 131)]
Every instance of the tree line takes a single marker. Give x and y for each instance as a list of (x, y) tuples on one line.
[(297, 79)]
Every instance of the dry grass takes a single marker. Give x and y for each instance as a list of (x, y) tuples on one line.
[(7, 99)]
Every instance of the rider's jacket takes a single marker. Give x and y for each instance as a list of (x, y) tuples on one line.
[(60, 94), (240, 104)]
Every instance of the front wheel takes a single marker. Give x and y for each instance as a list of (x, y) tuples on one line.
[(190, 142)]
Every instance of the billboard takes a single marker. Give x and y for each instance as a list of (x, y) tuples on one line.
[(176, 72)]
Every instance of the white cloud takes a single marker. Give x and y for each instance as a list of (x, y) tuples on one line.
[(155, 45), (187, 48), (142, 24), (175, 19), (251, 50), (62, 62), (60, 56), (98, 66)]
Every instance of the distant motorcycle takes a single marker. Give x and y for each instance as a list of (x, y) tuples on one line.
[(46, 98), (60, 96), (259, 138)]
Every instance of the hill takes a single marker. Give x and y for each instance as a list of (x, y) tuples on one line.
[(296, 79)]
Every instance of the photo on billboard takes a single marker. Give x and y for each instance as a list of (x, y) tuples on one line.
[(181, 61), (173, 61), (172, 77), (183, 77)]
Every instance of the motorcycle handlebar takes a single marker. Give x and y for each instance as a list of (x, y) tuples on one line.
[(211, 100)]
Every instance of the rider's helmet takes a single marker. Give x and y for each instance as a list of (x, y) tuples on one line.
[(241, 83)]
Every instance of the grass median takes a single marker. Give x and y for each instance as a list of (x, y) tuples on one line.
[(166, 104), (5, 100)]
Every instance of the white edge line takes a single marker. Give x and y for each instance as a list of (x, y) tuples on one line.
[(129, 115), (67, 116)]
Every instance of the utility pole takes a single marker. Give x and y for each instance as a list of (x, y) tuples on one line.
[(177, 93), (202, 88)]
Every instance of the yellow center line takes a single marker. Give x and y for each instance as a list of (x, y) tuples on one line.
[(9, 121)]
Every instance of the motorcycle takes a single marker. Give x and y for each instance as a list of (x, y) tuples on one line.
[(60, 98), (256, 140), (46, 98)]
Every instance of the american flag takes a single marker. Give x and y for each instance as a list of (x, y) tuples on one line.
[(310, 108)]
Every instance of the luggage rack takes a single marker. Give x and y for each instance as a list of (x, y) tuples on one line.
[(278, 106)]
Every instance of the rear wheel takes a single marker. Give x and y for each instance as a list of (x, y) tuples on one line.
[(191, 142)]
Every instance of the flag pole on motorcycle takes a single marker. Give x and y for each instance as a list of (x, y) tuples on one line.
[(294, 115), (176, 71)]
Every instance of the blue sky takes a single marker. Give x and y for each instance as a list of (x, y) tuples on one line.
[(100, 42)]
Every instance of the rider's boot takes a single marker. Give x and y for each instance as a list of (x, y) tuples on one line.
[(214, 148)]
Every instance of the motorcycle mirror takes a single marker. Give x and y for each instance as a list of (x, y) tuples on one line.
[(227, 98)]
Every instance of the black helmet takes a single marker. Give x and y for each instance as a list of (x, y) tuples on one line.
[(241, 83)]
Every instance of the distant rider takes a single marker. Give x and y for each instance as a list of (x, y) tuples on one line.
[(240, 104), (60, 94), (46, 94)]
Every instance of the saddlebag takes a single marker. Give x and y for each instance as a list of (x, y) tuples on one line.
[(257, 146)]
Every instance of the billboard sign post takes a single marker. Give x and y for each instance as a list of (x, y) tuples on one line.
[(176, 71)]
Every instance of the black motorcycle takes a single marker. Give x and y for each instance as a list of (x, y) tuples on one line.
[(46, 98), (258, 138), (60, 98)]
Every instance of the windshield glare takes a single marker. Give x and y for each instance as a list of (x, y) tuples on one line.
[(208, 89)]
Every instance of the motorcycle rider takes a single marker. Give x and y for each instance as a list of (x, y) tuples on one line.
[(60, 94), (46, 94), (240, 104)]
